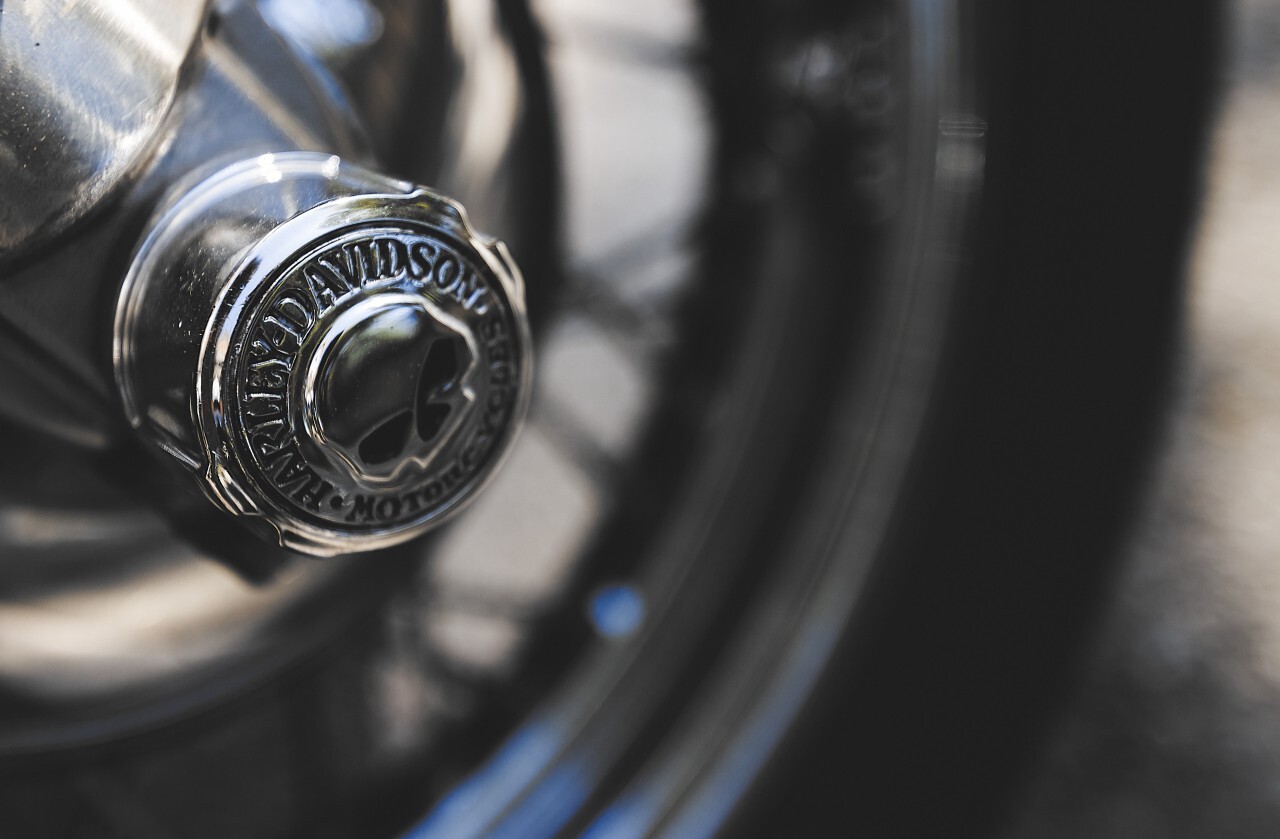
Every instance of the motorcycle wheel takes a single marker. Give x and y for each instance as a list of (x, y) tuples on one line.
[(824, 527)]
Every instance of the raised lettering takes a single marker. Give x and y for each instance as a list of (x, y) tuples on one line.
[(361, 509), (291, 308), (477, 301), (268, 437), (392, 257), (491, 329), (360, 263), (260, 349), (387, 508), (447, 274), (422, 259), (326, 283), (311, 492), (281, 334), (264, 405), (269, 374), (289, 469)]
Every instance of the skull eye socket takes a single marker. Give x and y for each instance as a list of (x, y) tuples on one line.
[(439, 367), (388, 440), (385, 442), (438, 371), (430, 419)]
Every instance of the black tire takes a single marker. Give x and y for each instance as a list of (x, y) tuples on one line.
[(1067, 332)]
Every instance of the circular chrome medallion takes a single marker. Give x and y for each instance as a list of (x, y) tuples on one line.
[(360, 354), (359, 390)]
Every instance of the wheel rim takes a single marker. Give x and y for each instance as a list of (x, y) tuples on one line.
[(769, 631)]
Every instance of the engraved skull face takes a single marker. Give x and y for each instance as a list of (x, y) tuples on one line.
[(390, 390)]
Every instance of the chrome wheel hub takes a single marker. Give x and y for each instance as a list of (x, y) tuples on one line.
[(347, 379)]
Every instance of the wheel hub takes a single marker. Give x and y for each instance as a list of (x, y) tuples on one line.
[(363, 365)]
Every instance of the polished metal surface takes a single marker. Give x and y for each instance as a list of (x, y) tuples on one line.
[(355, 356), (241, 93), (109, 618), (123, 606), (86, 87)]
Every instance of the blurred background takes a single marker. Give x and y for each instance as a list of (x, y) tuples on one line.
[(1162, 720), (1170, 727)]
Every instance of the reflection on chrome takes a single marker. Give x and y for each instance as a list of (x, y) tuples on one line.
[(86, 88)]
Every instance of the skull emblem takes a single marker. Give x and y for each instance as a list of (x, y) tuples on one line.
[(389, 389)]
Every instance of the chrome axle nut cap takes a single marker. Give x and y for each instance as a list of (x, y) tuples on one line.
[(354, 371)]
